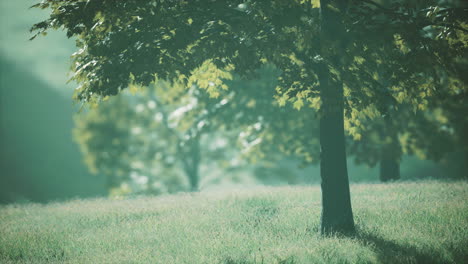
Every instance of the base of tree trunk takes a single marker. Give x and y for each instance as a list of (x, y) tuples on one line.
[(337, 215), (337, 228)]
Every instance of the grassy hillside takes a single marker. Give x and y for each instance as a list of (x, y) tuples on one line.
[(38, 159), (420, 222)]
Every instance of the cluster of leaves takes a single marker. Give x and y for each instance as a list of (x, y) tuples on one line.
[(132, 41)]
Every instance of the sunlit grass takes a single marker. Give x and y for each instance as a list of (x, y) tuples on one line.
[(421, 222)]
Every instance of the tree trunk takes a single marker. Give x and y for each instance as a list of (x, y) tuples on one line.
[(390, 159), (192, 162), (193, 179), (337, 215), (389, 168), (390, 152)]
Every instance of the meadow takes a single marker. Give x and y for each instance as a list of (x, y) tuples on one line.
[(403, 222)]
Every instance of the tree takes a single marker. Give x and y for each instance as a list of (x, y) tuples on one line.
[(383, 140), (332, 56), (413, 125), (153, 140)]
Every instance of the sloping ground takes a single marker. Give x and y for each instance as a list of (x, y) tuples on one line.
[(419, 222), (38, 159)]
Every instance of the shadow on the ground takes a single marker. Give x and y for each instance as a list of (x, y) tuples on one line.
[(390, 252)]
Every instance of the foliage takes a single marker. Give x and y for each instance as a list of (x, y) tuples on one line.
[(198, 41), (273, 225), (269, 131)]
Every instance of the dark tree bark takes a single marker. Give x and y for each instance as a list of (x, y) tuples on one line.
[(390, 154), (337, 215)]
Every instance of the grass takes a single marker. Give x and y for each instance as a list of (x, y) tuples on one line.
[(418, 222)]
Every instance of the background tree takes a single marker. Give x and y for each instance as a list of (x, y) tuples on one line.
[(159, 142), (384, 140), (414, 123)]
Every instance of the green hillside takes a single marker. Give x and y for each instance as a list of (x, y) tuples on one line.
[(418, 222), (38, 159)]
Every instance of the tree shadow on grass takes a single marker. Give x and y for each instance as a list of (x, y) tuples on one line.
[(390, 252)]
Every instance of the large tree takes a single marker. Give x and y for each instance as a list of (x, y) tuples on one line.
[(328, 60)]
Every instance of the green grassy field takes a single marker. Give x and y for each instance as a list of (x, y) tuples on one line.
[(418, 222)]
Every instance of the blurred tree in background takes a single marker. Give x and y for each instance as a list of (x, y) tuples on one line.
[(157, 138)]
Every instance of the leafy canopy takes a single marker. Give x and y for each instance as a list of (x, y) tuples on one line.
[(200, 42)]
